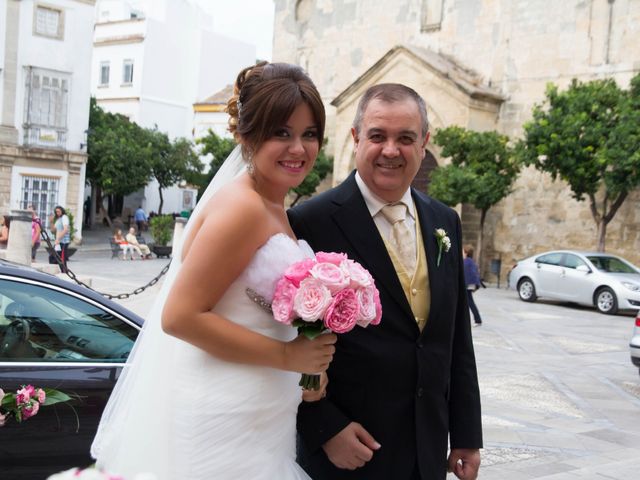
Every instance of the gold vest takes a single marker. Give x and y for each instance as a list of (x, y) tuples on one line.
[(416, 286)]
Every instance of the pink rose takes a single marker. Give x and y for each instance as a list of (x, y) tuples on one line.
[(311, 300), (331, 276), (330, 257), (299, 271), (1, 395), (376, 301), (30, 410), (41, 395), (24, 394), (366, 301), (282, 305), (342, 314), (359, 276), (3, 419)]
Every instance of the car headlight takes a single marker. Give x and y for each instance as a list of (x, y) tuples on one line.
[(631, 286)]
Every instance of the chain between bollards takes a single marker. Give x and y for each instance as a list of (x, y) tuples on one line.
[(72, 276)]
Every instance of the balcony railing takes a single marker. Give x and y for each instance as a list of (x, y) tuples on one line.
[(49, 137)]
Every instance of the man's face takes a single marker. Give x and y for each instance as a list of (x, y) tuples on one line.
[(390, 147)]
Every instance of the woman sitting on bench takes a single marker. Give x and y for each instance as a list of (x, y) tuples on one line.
[(124, 245)]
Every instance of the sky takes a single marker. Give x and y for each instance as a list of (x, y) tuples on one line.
[(248, 20)]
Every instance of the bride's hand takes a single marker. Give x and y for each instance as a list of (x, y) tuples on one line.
[(309, 356), (315, 395)]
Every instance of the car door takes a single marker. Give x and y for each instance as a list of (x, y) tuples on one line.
[(575, 283), (54, 338), (548, 270)]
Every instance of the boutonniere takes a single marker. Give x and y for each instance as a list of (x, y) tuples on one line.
[(444, 243)]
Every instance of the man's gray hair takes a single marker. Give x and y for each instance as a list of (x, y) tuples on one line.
[(391, 92)]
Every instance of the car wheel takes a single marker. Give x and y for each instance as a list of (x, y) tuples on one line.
[(606, 301), (527, 290)]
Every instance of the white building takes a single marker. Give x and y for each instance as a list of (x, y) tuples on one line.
[(45, 58), (152, 60)]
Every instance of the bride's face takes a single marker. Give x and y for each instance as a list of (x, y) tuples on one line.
[(288, 156)]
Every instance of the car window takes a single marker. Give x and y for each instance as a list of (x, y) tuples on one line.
[(611, 264), (550, 259), (573, 261), (46, 325)]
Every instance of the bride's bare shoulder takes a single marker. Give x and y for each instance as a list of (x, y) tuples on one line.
[(236, 198), (235, 213)]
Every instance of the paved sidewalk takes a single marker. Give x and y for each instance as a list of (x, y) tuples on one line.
[(560, 398)]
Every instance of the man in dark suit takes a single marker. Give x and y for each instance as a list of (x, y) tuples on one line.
[(400, 390)]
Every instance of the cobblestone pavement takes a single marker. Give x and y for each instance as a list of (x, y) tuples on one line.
[(560, 398)]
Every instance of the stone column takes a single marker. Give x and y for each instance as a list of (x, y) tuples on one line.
[(8, 131), (178, 230), (19, 245)]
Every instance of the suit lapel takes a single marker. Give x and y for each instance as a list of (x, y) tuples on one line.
[(428, 223), (354, 219)]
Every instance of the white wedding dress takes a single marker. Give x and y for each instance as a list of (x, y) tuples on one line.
[(181, 414)]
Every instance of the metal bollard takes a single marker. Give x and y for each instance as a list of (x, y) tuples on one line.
[(19, 244), (178, 230)]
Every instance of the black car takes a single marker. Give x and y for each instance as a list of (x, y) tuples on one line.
[(55, 334)]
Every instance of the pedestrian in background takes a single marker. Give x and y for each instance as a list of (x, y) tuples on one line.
[(4, 231), (61, 228), (472, 279), (35, 232), (140, 217)]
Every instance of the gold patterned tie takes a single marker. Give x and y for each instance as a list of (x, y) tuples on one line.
[(401, 238)]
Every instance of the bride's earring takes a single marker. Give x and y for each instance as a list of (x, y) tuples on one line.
[(251, 168)]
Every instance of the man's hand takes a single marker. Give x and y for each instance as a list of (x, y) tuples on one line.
[(351, 448), (464, 463)]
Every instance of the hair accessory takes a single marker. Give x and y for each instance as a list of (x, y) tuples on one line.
[(239, 103)]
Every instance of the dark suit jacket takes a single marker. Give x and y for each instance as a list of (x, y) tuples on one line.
[(409, 389)]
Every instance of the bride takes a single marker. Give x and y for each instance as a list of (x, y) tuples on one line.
[(211, 388)]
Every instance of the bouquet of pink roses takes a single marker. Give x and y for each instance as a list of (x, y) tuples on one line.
[(26, 402), (327, 293)]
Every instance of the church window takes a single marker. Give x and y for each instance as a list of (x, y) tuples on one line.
[(432, 13)]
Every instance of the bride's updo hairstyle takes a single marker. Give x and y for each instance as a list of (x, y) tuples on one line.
[(264, 97)]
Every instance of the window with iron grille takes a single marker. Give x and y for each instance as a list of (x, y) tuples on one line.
[(41, 192), (46, 101), (127, 72)]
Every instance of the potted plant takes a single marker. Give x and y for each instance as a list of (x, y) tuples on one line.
[(161, 227)]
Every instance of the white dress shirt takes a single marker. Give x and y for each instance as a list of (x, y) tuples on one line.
[(375, 204)]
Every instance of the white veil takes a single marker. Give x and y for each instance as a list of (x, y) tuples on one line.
[(134, 429)]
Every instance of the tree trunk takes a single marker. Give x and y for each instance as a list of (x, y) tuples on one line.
[(602, 235), (483, 216), (293, 204), (161, 201)]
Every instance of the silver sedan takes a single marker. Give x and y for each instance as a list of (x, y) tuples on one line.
[(587, 278)]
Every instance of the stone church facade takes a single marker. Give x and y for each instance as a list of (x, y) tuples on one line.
[(480, 64)]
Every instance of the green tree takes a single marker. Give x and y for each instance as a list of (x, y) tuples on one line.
[(481, 173), (117, 161), (171, 162), (589, 136), (322, 167), (219, 148)]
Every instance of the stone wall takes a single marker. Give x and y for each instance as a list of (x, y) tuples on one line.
[(515, 46)]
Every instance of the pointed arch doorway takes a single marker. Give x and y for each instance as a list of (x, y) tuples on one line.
[(423, 178)]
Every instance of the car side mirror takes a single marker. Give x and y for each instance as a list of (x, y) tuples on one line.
[(583, 268)]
